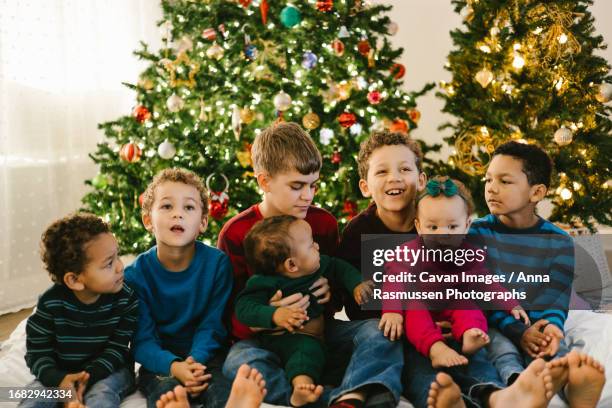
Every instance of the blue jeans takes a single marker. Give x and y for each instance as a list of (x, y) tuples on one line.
[(153, 385), (476, 380), (508, 359), (106, 393), (369, 357)]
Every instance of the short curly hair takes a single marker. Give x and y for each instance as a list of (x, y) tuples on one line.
[(176, 175), (268, 244), (537, 165), (383, 138), (63, 244)]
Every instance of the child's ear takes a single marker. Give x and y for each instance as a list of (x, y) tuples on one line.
[(417, 225), (204, 223), (290, 265), (538, 192), (263, 180), (422, 181), (468, 222), (73, 282), (363, 186), (146, 220)]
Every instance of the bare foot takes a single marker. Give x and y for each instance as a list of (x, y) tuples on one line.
[(473, 340), (305, 393), (530, 389), (248, 389), (173, 399), (586, 380), (444, 393), (443, 356), (74, 404), (558, 370)]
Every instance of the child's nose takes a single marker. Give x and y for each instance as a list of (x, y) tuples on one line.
[(307, 193)]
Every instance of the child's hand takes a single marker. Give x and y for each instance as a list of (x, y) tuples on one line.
[(184, 371), (391, 324), (363, 292), (520, 313), (201, 379), (76, 383), (322, 289), (556, 335), (297, 300), (532, 339), (289, 318)]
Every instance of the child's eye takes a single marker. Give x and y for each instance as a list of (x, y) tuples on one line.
[(506, 182), (406, 169), (381, 172), (433, 227), (109, 265), (453, 226), (165, 206), (487, 180), (190, 207), (296, 187)]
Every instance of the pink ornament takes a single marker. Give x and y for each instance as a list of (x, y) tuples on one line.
[(374, 97)]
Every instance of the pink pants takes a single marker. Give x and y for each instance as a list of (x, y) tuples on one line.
[(422, 332)]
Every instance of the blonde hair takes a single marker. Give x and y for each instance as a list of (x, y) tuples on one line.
[(284, 147)]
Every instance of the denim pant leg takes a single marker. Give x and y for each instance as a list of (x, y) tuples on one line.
[(504, 355), (217, 393), (108, 392), (32, 403), (374, 360), (417, 376), (269, 365), (153, 385)]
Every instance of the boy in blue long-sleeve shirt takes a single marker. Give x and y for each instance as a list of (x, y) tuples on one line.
[(183, 286)]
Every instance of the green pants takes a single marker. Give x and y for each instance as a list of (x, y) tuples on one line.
[(299, 353)]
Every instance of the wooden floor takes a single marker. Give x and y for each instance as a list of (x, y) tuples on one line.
[(8, 322)]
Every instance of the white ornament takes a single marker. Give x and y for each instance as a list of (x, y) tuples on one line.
[(356, 129), (377, 126), (166, 150), (215, 51), (282, 101), (236, 123), (563, 136), (344, 32), (165, 30), (484, 77), (184, 44), (605, 93), (325, 136), (175, 103), (392, 28)]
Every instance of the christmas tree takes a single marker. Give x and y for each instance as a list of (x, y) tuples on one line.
[(526, 70), (227, 70)]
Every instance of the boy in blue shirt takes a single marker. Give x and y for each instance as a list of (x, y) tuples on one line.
[(183, 286), (517, 179)]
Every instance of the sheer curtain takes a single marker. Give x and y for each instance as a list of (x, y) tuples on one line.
[(61, 67)]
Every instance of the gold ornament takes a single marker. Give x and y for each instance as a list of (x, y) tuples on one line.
[(563, 136), (484, 77), (604, 93), (344, 90), (146, 83), (244, 156), (172, 67), (215, 51), (474, 148), (247, 116), (311, 121)]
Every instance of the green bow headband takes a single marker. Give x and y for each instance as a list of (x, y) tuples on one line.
[(435, 187)]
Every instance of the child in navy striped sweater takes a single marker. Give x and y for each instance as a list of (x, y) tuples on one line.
[(78, 337)]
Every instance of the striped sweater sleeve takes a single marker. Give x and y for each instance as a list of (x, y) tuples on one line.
[(40, 347), (116, 352)]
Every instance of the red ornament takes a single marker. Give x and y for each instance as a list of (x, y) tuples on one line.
[(264, 8), (399, 125), (218, 205), (325, 5), (141, 114), (245, 3), (374, 97), (398, 71), (347, 119), (363, 47), (336, 157), (414, 115), (349, 209), (130, 152), (141, 199), (209, 34), (338, 47)]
